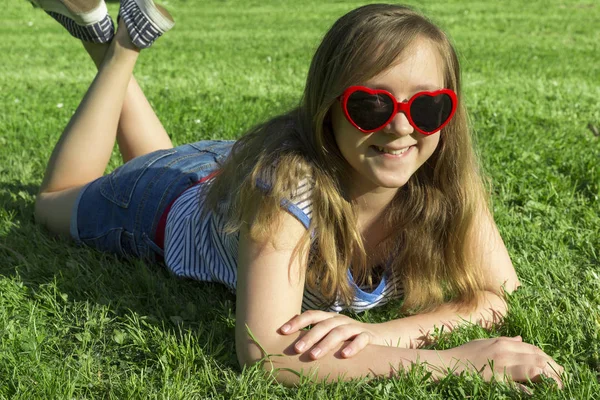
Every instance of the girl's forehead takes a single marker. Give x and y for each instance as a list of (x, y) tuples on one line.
[(419, 67)]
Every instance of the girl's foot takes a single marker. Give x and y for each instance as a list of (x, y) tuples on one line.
[(145, 21), (87, 20)]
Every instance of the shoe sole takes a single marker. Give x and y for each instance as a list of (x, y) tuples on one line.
[(82, 12), (157, 15)]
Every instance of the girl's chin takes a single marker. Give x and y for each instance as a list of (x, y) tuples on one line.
[(373, 179), (393, 185), (388, 182)]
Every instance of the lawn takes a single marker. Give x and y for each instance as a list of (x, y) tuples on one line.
[(78, 324)]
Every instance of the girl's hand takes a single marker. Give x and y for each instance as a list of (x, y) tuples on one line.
[(511, 358), (330, 330)]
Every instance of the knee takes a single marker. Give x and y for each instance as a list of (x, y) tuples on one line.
[(40, 209), (53, 211)]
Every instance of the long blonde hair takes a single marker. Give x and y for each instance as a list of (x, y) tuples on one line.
[(432, 215)]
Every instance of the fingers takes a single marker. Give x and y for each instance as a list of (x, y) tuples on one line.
[(534, 374), (328, 339), (326, 336), (325, 328), (540, 358), (310, 317), (360, 342), (522, 373), (341, 335), (538, 363), (510, 359), (527, 368), (524, 389), (554, 376), (553, 370)]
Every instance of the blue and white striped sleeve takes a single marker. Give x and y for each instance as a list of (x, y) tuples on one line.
[(300, 203)]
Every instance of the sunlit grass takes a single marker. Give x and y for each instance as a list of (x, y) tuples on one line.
[(78, 324)]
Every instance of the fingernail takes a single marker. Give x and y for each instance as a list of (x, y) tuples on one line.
[(300, 346), (346, 352), (285, 328), (316, 352)]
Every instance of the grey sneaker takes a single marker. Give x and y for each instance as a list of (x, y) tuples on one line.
[(87, 20), (145, 21)]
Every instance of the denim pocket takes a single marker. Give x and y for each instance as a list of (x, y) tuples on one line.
[(116, 241), (119, 185), (109, 241)]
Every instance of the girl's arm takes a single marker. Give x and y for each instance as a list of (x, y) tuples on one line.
[(488, 250), (499, 358), (270, 287), (414, 331)]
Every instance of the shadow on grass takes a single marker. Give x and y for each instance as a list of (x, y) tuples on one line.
[(79, 274)]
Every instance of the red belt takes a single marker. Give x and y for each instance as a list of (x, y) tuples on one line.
[(159, 237)]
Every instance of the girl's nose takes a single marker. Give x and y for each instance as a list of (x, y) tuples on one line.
[(400, 125)]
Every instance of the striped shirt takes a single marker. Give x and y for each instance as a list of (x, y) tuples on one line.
[(199, 249)]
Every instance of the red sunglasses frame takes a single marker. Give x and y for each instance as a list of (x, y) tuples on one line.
[(399, 106)]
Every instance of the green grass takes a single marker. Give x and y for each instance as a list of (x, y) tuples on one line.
[(78, 324)]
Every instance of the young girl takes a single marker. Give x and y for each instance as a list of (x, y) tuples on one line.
[(366, 192)]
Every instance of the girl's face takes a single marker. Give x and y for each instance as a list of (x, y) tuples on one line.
[(419, 69)]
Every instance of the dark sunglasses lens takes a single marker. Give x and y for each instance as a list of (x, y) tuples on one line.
[(431, 112), (369, 111)]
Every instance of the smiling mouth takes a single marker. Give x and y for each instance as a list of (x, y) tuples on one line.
[(392, 152)]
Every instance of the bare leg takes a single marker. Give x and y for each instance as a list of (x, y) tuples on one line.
[(140, 131), (84, 149)]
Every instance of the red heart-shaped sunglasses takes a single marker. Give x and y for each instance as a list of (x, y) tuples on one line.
[(370, 110)]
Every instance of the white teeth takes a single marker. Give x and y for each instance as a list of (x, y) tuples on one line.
[(394, 152)]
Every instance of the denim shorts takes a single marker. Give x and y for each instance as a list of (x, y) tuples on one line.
[(119, 212)]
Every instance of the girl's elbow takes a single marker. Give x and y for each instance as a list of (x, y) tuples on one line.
[(515, 284), (507, 287), (279, 373), (510, 285)]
